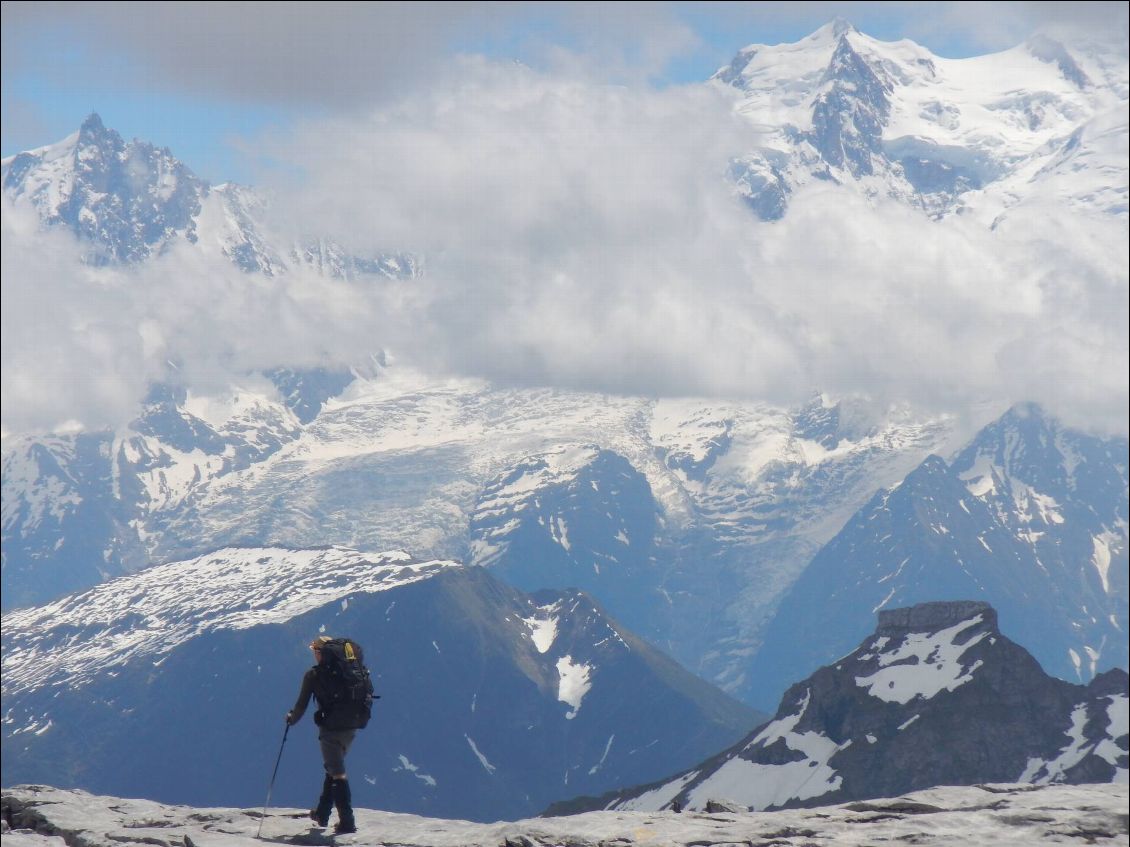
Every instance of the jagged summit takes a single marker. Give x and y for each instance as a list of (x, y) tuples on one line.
[(131, 201), (127, 201), (980, 134), (93, 124)]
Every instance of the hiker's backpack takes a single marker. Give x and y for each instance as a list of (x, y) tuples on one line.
[(346, 690)]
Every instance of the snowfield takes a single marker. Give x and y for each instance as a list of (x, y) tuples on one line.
[(1020, 815)]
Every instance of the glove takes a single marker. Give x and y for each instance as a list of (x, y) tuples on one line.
[(290, 719)]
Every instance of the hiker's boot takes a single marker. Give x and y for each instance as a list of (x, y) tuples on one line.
[(343, 800), (320, 814)]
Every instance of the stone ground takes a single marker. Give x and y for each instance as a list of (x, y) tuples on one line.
[(1020, 815)]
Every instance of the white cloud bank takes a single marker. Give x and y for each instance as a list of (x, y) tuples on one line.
[(584, 235)]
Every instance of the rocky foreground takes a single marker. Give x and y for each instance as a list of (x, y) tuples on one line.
[(1020, 815)]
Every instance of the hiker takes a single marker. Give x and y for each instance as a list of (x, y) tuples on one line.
[(340, 683)]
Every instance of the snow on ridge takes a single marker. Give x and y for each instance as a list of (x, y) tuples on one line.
[(41, 495), (1118, 724), (1104, 543), (543, 631), (657, 798), (1042, 772), (148, 614), (762, 786), (547, 469), (980, 479), (924, 664)]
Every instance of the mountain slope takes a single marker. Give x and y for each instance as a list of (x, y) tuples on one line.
[(1030, 517), (492, 705), (936, 696)]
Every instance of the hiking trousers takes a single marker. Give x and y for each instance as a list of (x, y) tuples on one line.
[(335, 744)]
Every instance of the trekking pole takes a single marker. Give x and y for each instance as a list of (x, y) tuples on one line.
[(271, 787)]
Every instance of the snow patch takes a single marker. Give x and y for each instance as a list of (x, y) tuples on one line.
[(1042, 772), (657, 798), (406, 765), (575, 680), (1118, 724), (543, 631), (603, 756), (923, 665), (765, 786), (1104, 543), (487, 766)]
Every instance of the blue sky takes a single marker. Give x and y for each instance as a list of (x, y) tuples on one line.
[(206, 79)]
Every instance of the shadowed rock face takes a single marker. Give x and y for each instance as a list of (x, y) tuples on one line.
[(936, 696), (493, 703)]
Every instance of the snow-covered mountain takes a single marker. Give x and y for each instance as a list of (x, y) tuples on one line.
[(493, 703), (936, 696), (687, 519), (690, 521), (1044, 122), (129, 201), (1029, 516), (1005, 815)]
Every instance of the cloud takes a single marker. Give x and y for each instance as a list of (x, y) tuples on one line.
[(82, 345), (333, 55), (63, 360), (584, 235), (326, 55)]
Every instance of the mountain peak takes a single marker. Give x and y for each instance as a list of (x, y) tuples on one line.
[(94, 132), (126, 200), (927, 617), (841, 27), (93, 123), (831, 32), (1049, 50)]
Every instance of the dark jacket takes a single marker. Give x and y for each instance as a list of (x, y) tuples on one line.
[(309, 688)]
